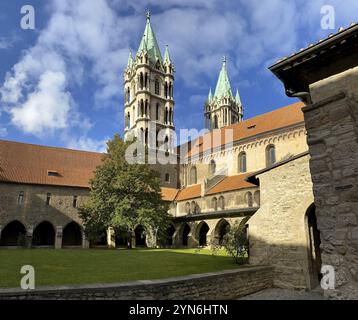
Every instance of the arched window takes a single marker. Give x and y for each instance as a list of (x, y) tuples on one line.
[(257, 197), (128, 120), (157, 112), (157, 87), (141, 134), (170, 116), (167, 177), (170, 90), (270, 155), (128, 98), (214, 203), (146, 108), (212, 167), (249, 199), (193, 175), (193, 207), (187, 207), (141, 108), (166, 116), (222, 203), (242, 162), (141, 81), (215, 124), (146, 136), (166, 89), (146, 80)]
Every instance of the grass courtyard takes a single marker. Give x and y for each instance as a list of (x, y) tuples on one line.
[(61, 267)]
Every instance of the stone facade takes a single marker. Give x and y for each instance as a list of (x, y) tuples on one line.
[(225, 285), (278, 231), (332, 124), (33, 208)]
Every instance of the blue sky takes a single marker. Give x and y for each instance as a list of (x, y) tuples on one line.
[(61, 84)]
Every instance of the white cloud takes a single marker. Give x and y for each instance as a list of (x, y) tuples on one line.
[(89, 144), (47, 108)]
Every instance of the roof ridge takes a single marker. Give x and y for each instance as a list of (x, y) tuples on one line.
[(51, 147)]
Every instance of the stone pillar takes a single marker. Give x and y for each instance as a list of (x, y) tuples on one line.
[(111, 238), (29, 233), (58, 237), (332, 127), (85, 242)]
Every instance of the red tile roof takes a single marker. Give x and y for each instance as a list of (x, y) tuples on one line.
[(28, 163), (190, 192), (169, 194), (280, 118), (231, 183)]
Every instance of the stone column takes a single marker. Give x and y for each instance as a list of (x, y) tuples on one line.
[(332, 127), (85, 242), (29, 233), (111, 239), (58, 237)]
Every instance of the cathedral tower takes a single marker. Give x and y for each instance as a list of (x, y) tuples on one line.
[(223, 109), (148, 85)]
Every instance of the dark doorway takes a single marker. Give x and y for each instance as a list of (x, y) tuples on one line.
[(13, 235), (314, 252), (203, 231), (170, 234), (222, 229), (140, 239), (72, 235), (101, 239), (44, 235), (186, 232)]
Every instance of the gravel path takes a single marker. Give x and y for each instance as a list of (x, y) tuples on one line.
[(284, 294)]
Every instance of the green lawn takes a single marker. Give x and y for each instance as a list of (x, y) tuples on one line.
[(54, 267)]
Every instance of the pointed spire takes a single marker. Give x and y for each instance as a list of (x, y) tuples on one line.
[(130, 60), (167, 55), (210, 96), (223, 87), (149, 42), (237, 97)]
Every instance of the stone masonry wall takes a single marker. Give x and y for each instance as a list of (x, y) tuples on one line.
[(277, 231), (332, 126), (230, 284)]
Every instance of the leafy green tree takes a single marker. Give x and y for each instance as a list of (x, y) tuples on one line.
[(124, 196), (237, 244)]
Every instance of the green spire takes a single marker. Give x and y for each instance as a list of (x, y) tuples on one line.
[(167, 56), (223, 87), (149, 43), (237, 97), (210, 96), (130, 60)]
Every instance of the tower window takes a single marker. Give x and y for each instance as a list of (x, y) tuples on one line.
[(193, 175), (157, 112), (48, 199), (20, 199), (74, 202), (157, 87), (167, 177)]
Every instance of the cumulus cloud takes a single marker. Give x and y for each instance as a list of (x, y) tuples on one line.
[(89, 41), (89, 144)]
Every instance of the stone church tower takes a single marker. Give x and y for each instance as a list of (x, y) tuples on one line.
[(148, 85), (223, 109)]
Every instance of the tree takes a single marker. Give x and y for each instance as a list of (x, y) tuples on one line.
[(237, 244), (124, 196)]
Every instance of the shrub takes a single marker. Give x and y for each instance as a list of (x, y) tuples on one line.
[(237, 244)]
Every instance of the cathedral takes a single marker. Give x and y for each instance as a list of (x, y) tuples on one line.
[(255, 169)]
